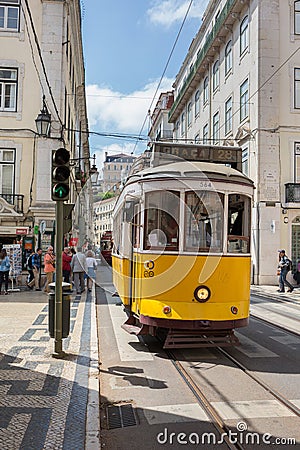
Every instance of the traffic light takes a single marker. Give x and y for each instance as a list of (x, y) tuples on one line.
[(60, 174)]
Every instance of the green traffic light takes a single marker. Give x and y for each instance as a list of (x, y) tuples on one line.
[(61, 191)]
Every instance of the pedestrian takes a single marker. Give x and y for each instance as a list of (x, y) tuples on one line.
[(29, 267), (92, 267), (79, 268), (36, 265), (66, 267), (49, 267), (4, 270), (284, 266)]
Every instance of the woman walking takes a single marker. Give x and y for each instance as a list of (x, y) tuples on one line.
[(91, 266), (4, 270)]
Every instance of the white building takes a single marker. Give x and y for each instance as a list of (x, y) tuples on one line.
[(115, 170), (103, 218), (41, 56), (240, 84)]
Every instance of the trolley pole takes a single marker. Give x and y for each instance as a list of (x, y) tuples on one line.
[(58, 351)]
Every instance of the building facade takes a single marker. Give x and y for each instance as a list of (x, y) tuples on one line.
[(115, 170), (41, 66), (103, 218), (240, 85)]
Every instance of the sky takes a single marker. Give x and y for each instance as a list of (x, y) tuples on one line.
[(127, 45)]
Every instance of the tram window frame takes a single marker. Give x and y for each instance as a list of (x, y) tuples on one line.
[(203, 221), (161, 220), (239, 223)]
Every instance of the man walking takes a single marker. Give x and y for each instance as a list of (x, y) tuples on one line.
[(79, 268), (284, 265), (36, 265)]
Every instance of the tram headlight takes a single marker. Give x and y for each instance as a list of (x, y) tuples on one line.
[(202, 293), (167, 309), (234, 310)]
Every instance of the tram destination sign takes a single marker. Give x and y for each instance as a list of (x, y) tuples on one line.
[(165, 152)]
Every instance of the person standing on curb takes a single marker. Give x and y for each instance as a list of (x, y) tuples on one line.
[(36, 265), (49, 267), (79, 268), (284, 265), (4, 270)]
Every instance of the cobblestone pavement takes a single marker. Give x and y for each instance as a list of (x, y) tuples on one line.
[(48, 403)]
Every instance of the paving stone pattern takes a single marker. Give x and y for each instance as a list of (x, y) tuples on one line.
[(43, 400)]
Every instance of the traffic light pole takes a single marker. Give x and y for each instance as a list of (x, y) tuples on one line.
[(58, 323)]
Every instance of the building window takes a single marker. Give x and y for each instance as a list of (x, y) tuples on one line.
[(205, 134), (228, 57), (189, 114), (244, 35), (245, 161), (297, 17), (182, 123), (177, 130), (205, 91), (8, 89), (197, 103), (197, 139), (216, 75), (9, 15), (297, 162), (297, 88), (7, 170), (228, 116), (244, 100), (216, 128)]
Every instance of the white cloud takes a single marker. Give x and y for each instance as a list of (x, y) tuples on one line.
[(167, 12), (111, 111)]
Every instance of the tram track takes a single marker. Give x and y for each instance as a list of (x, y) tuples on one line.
[(293, 408), (216, 420), (202, 400)]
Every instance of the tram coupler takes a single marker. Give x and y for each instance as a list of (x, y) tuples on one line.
[(132, 326)]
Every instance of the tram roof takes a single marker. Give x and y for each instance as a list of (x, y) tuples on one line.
[(188, 169)]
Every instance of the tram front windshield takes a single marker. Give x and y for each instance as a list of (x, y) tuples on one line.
[(201, 229)]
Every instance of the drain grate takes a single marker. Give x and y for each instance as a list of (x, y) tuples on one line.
[(119, 416)]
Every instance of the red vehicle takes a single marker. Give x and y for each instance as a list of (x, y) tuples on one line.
[(106, 246)]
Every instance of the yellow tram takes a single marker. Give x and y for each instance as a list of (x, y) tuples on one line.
[(181, 257)]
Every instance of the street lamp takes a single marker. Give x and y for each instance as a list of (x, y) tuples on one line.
[(94, 172), (43, 121)]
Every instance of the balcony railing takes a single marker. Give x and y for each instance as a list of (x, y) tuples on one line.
[(16, 200), (203, 52), (292, 193)]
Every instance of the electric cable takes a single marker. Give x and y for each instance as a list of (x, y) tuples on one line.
[(166, 66)]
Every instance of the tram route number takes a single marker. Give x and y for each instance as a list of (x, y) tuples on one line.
[(148, 273)]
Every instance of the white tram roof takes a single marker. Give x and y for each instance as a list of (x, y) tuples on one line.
[(189, 169)]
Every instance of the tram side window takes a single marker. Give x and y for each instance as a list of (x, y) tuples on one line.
[(238, 224), (161, 220), (204, 216)]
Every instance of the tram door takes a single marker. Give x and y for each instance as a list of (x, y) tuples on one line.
[(135, 269)]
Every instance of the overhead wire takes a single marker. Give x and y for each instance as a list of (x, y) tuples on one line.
[(165, 69)]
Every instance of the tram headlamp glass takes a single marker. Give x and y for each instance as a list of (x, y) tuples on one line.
[(202, 293), (167, 309), (234, 310)]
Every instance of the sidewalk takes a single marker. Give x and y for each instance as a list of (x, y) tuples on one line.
[(271, 292), (48, 403)]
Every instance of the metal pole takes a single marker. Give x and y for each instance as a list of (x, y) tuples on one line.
[(58, 280)]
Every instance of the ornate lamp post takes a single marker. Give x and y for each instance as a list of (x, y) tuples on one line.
[(43, 121)]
